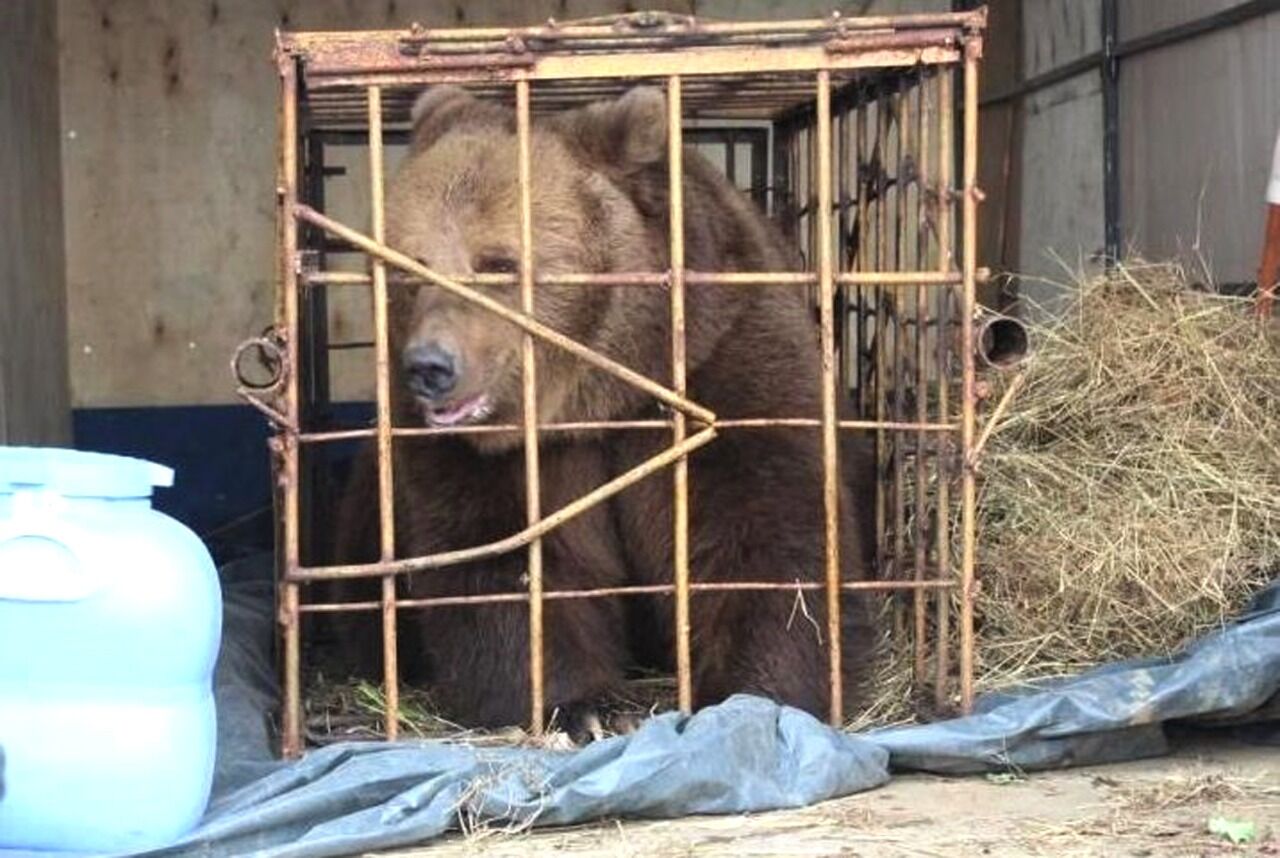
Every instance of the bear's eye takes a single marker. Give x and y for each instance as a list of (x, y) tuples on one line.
[(495, 263)]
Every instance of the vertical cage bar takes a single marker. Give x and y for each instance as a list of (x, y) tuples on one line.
[(920, 537), (793, 183), (899, 304), (864, 230), (843, 347), (969, 202), (811, 197), (780, 187), (287, 196), (943, 201), (760, 170), (876, 161), (798, 195), (314, 406), (830, 447), (680, 483), (533, 484), (382, 371), (731, 157)]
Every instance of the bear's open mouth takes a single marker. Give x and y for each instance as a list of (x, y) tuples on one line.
[(470, 410)]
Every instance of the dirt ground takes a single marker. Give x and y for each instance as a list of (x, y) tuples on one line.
[(1148, 808)]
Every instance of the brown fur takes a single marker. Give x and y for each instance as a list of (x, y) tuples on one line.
[(600, 197)]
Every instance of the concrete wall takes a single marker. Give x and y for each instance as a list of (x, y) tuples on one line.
[(33, 366), (168, 148)]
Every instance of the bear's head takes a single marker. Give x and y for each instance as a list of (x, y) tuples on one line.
[(454, 206)]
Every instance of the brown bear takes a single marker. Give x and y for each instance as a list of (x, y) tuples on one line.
[(600, 204)]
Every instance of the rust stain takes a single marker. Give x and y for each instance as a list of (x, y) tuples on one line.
[(172, 66)]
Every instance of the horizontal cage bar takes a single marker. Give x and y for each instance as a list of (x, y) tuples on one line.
[(637, 590)]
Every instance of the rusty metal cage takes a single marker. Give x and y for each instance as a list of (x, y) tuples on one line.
[(855, 130)]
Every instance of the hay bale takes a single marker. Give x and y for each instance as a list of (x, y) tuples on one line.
[(1130, 495)]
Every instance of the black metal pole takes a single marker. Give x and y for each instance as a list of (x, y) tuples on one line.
[(1230, 17), (1110, 68)]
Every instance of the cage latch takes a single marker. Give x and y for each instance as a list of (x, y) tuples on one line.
[(261, 383)]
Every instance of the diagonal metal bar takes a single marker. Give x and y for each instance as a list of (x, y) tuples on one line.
[(515, 317), (535, 531)]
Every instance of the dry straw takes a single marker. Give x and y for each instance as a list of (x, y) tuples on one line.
[(1130, 494)]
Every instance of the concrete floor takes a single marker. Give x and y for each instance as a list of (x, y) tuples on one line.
[(1147, 808)]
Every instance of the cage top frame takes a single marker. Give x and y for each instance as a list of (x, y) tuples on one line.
[(733, 70)]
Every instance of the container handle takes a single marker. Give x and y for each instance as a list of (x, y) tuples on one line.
[(70, 581)]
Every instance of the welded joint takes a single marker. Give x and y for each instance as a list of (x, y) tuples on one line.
[(278, 446), (285, 618), (973, 49), (973, 461)]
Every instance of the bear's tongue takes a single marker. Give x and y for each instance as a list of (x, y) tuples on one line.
[(475, 408)]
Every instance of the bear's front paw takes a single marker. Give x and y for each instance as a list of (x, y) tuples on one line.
[(586, 722), (583, 722)]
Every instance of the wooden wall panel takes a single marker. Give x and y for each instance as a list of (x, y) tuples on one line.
[(168, 147), (33, 367)]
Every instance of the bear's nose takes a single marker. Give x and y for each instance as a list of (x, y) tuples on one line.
[(432, 370)]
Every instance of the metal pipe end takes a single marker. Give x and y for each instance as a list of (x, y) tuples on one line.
[(1002, 341)]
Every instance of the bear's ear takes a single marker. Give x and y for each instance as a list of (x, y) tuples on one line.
[(625, 135), (444, 108)]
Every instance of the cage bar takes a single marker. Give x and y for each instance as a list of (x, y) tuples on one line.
[(630, 590), (968, 486), (382, 372), (895, 279), (533, 484), (897, 314), (680, 470), (289, 618), (921, 535), (945, 208), (830, 448), (617, 425)]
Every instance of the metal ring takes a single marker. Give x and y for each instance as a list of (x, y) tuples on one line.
[(271, 357)]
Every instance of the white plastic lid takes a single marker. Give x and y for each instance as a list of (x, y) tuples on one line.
[(76, 473)]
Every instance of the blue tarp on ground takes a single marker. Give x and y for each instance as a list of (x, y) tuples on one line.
[(744, 755)]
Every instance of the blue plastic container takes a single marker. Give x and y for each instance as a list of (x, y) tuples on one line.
[(110, 621)]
